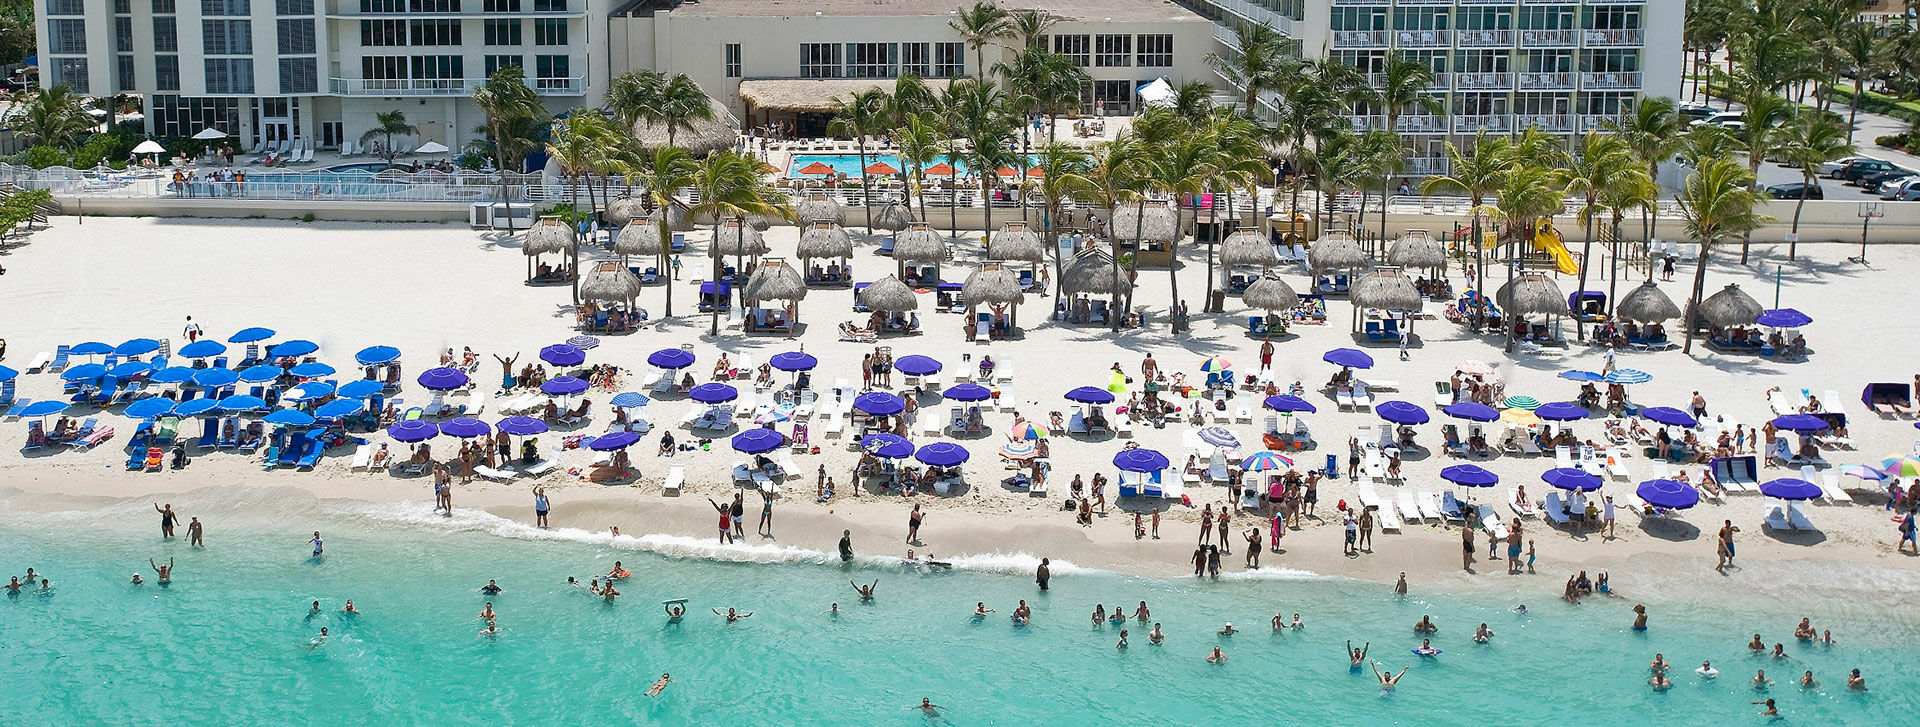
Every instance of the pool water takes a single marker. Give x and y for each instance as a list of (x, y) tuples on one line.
[(849, 164), (229, 640)]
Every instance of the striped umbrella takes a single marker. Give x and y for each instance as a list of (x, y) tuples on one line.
[(1520, 402), (1018, 451), (1216, 364), (1219, 437), (1521, 417), (1025, 431), (1629, 376), (1900, 465), (1266, 460)]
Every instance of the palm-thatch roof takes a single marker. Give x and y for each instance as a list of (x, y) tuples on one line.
[(775, 280), (1160, 223), (1531, 294), (714, 134), (1335, 253), (1730, 307), (892, 216), (824, 239), (622, 210), (1092, 272), (611, 283), (1646, 304), (1417, 249), (1270, 293), (640, 237), (818, 206), (550, 235), (1016, 241), (919, 243), (679, 216), (889, 295), (735, 238), (992, 284), (1248, 247), (1385, 290), (814, 95)]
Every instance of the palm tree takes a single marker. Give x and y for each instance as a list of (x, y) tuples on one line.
[(1311, 109), (1717, 203), (1530, 192), (1653, 131), (1116, 179), (507, 102), (1241, 162), (1338, 163), (53, 117), (1029, 26), (1709, 25), (1261, 61), (1759, 139), (634, 96), (661, 171), (1633, 189), (1478, 174), (1809, 139), (1185, 167), (1865, 53), (1063, 169), (680, 104), (1384, 156), (578, 143), (386, 125), (1403, 87), (861, 116), (730, 185), (978, 26), (919, 142), (1600, 163)]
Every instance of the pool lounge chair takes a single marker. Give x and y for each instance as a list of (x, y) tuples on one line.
[(538, 468), (311, 456), (1555, 510), (1409, 509), (209, 433)]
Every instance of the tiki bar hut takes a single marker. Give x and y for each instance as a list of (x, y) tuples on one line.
[(1646, 304), (1530, 295), (1090, 274), (1333, 259), (995, 287), (891, 303), (919, 244), (549, 235), (819, 207), (892, 217), (1390, 292), (640, 237), (825, 239), (609, 291), (1245, 248), (1017, 241), (1274, 296), (774, 279), (707, 135), (1150, 229), (1420, 251), (624, 209)]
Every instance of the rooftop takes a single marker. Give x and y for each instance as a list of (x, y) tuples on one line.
[(1080, 10)]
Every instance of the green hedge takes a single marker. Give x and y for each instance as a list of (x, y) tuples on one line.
[(1879, 103)]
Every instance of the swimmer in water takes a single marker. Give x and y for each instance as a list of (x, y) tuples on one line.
[(1217, 657), (832, 608), (619, 572), (1659, 681), (318, 640), (1228, 630), (1388, 679), (1154, 636), (318, 545), (349, 607), (1856, 682), (674, 612), (14, 586), (1826, 637), (1760, 680), (487, 614), (732, 615), (1279, 621), (1706, 670), (1022, 613), (315, 611), (926, 705), (1779, 651), (593, 586), (1756, 644), (1483, 634), (866, 592), (490, 630), (1141, 613), (1770, 711), (654, 691), (1807, 680), (1520, 609), (1297, 623), (1400, 587), (165, 572), (1426, 648), (608, 592), (1122, 643), (1639, 617), (980, 608), (1359, 656), (137, 580), (491, 588), (1425, 625), (1659, 662)]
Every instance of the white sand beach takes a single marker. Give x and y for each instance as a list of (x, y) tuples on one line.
[(424, 288)]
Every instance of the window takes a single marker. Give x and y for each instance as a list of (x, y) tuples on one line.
[(1606, 104), (66, 7), (502, 32), (293, 7), (1154, 50), (437, 67), (225, 7), (435, 32), (165, 38), (550, 31), (383, 6), (122, 34), (433, 6), (917, 59), (125, 68), (870, 60), (229, 75), (1074, 47), (1114, 96), (296, 37), (819, 60), (299, 75), (1612, 18), (502, 6), (551, 72), (227, 37), (1547, 61), (166, 73), (174, 116), (1483, 61), (1357, 19), (949, 60), (375, 33), (67, 35), (1479, 104), (1546, 18), (1484, 18), (732, 59), (122, 7), (383, 68), (72, 72), (1112, 51), (1421, 19), (163, 6), (495, 63), (1610, 61), (550, 6)]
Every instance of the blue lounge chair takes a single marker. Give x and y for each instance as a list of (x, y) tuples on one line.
[(296, 448), (6, 392), (60, 354), (254, 443), (142, 435), (1257, 325), (886, 246), (1450, 507), (227, 439), (136, 456), (1372, 329), (679, 243), (80, 435), (252, 357), (312, 456), (1390, 329), (650, 276), (36, 436), (220, 362), (18, 404), (209, 433)]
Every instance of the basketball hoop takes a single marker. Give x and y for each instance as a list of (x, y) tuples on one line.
[(1868, 211)]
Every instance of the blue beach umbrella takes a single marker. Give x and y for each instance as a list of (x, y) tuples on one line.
[(1669, 494), (171, 375), (1090, 395), (242, 402), (289, 417), (417, 430), (1140, 460), (1800, 423), (250, 335), (260, 373), (1560, 411), (213, 378), (521, 426), (670, 358), (1349, 358), (1789, 488), (628, 400), (203, 348), (1471, 411), (361, 389), (942, 454), (44, 408), (84, 372), (879, 403), (340, 408), (130, 369), (611, 440), (967, 392), (887, 445), (311, 369), (561, 354), (294, 347), (564, 386), (1783, 318), (137, 347), (1568, 478), (713, 393), (309, 391), (7, 374), (149, 407), (794, 361), (1572, 375), (195, 407), (1670, 416), (755, 441), (1470, 475), (1629, 376), (465, 427), (376, 355), (443, 379), (1401, 412), (916, 365), (90, 348), (1288, 404)]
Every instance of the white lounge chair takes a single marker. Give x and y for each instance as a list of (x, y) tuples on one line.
[(496, 475), (363, 457), (1409, 510), (1520, 507), (1490, 521), (1830, 485), (538, 468), (676, 476), (1429, 505)]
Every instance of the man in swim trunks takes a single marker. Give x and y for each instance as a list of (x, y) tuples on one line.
[(1359, 655), (732, 615), (165, 572), (1389, 679), (658, 686), (318, 545), (866, 592), (846, 545)]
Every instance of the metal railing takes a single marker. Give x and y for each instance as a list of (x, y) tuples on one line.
[(1545, 122), (1483, 80), (1549, 38), (1359, 39), (1423, 38), (444, 86), (1483, 38), (1256, 13), (1544, 80), (271, 184), (1492, 123), (1616, 37), (1610, 80)]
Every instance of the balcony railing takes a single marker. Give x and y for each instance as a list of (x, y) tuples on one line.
[(1545, 81), (1561, 123), (1483, 38), (1421, 124), (1549, 38), (1482, 81), (1425, 166), (1624, 80), (444, 86), (1423, 38), (1597, 122), (1624, 37), (1491, 123), (1359, 39), (1363, 123), (1256, 14)]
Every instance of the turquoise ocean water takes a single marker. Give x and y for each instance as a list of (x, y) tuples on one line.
[(228, 642)]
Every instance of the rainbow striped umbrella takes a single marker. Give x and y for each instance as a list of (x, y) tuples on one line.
[(1520, 402), (1018, 451), (1900, 465), (1265, 460), (1216, 364), (1025, 431)]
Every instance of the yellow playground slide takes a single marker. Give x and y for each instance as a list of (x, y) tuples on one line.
[(1547, 239)]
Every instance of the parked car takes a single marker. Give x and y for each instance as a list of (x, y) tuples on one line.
[(1853, 172), (1901, 190), (1696, 112), (1792, 190), (1873, 184), (1733, 119), (1829, 169)]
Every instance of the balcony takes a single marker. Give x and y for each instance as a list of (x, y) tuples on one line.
[(1423, 39), (1549, 38), (445, 86), (1256, 13), (1483, 38), (1556, 123), (1421, 124), (1365, 123), (1486, 81), (1490, 123), (1545, 81), (1425, 166), (1597, 122), (1610, 80), (1359, 39), (1615, 38)]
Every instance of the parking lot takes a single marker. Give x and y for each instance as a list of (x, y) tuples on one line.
[(1834, 189)]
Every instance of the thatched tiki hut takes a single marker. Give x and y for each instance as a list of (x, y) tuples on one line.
[(1386, 289), (823, 239), (919, 244), (1729, 308), (611, 283), (1244, 248), (1645, 304), (549, 235), (1270, 294), (892, 217), (1531, 294), (889, 295), (640, 237), (739, 240), (1150, 227), (818, 207), (1419, 250), (706, 136), (622, 210), (774, 279), (1092, 272), (1017, 241), (993, 285), (1335, 253)]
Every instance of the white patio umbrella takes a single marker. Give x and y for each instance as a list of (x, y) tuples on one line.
[(210, 133), (431, 147), (149, 147)]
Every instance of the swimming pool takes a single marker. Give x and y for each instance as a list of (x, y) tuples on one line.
[(849, 164)]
